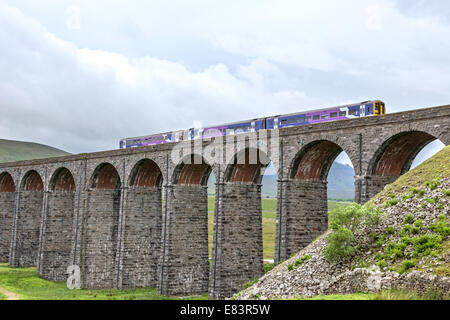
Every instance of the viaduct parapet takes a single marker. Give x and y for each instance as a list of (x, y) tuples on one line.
[(138, 218)]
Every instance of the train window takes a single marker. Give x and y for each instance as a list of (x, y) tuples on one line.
[(342, 113), (283, 122), (307, 119), (333, 115), (300, 120), (325, 116), (316, 117), (353, 112), (291, 120)]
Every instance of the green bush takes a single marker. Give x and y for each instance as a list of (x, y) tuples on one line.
[(390, 203), (390, 230), (408, 219), (339, 244), (441, 227), (382, 264), (290, 267), (406, 265), (344, 222), (447, 192), (420, 193), (414, 190), (432, 184)]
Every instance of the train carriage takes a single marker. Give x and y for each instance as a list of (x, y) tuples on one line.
[(362, 109)]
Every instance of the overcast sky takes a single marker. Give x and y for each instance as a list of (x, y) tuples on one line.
[(80, 75)]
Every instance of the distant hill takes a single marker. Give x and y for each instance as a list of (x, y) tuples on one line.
[(341, 184), (18, 150)]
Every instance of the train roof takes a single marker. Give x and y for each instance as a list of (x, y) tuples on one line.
[(255, 119)]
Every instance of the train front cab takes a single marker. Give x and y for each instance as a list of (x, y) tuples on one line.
[(379, 109)]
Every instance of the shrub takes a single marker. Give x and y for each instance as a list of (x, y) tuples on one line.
[(344, 221), (408, 219), (390, 230), (414, 190), (339, 244), (382, 264), (420, 193), (407, 196), (290, 267), (447, 192), (406, 265), (441, 227), (432, 184), (390, 203), (430, 200)]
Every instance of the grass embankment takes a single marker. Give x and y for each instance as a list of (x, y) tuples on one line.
[(26, 283), (2, 296), (269, 209), (17, 150)]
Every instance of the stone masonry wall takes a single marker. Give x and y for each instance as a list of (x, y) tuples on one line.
[(186, 268), (58, 237), (100, 239), (239, 245), (142, 238), (28, 228), (304, 216), (6, 220)]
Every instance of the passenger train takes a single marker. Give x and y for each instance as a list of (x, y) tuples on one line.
[(357, 110)]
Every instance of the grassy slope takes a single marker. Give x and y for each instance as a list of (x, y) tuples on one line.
[(26, 283), (17, 150)]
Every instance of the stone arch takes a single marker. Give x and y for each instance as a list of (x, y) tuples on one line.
[(101, 228), (143, 225), (29, 213), (247, 166), (7, 195), (62, 180), (105, 177), (395, 156), (192, 170), (146, 173), (32, 181), (58, 228), (314, 160), (7, 183)]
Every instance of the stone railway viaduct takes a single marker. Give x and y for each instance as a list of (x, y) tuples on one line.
[(134, 218)]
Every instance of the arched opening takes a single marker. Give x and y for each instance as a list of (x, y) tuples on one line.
[(58, 233), (101, 228), (306, 200), (397, 156), (28, 220), (7, 194), (185, 265), (143, 226), (239, 244)]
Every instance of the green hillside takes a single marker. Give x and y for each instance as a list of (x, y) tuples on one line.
[(17, 150)]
